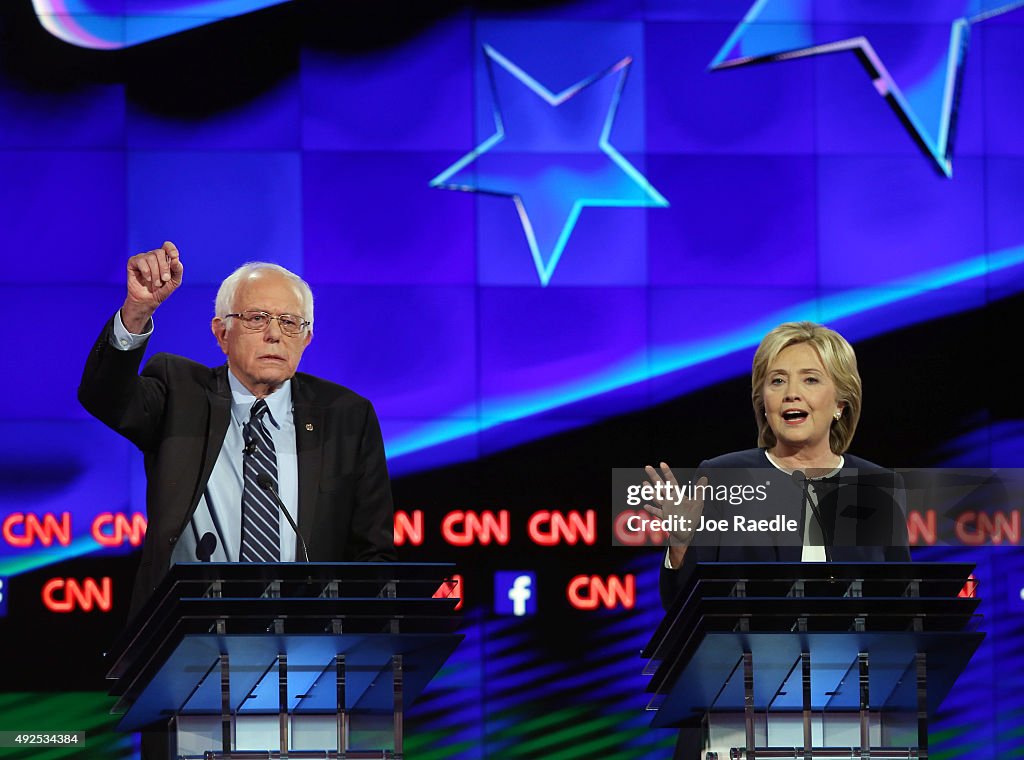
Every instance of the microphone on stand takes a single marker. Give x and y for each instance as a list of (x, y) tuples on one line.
[(263, 481), (206, 547), (804, 485)]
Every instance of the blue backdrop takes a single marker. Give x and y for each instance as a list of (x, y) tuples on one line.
[(544, 239)]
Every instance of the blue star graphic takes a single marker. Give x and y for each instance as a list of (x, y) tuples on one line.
[(927, 101), (551, 154)]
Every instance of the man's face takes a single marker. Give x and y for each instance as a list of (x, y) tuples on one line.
[(262, 361)]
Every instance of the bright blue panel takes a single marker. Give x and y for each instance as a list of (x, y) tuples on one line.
[(413, 445), (105, 7), (693, 110), (409, 350), (1004, 223), (221, 209), (416, 97), (551, 141), (918, 68), (537, 344), (372, 218), (885, 218), (905, 11), (47, 378), (701, 335), (1004, 195), (62, 214), (557, 55), (188, 7), (182, 324), (1004, 95), (505, 435), (84, 116), (696, 10), (269, 121), (602, 245), (734, 221), (851, 118)]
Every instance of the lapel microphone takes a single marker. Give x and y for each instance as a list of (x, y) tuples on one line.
[(250, 440)]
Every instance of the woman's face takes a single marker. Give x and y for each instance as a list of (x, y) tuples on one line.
[(800, 399)]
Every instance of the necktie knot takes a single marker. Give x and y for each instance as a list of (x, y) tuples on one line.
[(258, 411)]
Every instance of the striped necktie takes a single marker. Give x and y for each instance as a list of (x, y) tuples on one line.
[(261, 535)]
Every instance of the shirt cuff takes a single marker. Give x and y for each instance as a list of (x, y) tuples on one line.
[(126, 341), (668, 561)]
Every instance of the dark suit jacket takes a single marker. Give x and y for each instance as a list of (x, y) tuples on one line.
[(177, 412), (864, 522)]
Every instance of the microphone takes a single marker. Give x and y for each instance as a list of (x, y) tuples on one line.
[(250, 446), (206, 547), (263, 481), (804, 485)]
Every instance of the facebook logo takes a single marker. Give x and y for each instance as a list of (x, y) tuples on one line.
[(515, 593), (3, 597)]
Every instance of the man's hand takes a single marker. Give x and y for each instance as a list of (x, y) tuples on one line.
[(152, 277), (688, 509)]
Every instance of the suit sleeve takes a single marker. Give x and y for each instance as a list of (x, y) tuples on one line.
[(113, 391), (372, 537)]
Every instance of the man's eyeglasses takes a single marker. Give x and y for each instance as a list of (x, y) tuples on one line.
[(258, 321)]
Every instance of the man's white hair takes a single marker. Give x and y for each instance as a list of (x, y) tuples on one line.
[(228, 288)]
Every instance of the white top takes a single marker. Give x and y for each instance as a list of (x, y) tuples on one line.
[(809, 553)]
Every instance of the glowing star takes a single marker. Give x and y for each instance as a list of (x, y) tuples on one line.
[(928, 95), (104, 25), (551, 154)]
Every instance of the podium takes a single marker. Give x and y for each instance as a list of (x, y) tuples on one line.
[(843, 661), (284, 660)]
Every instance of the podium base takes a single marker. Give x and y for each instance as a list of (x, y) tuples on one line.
[(726, 732), (199, 737), (834, 736)]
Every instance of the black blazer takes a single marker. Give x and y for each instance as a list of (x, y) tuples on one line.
[(178, 411), (864, 523)]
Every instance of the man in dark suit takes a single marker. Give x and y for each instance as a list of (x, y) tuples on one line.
[(217, 440), (192, 423)]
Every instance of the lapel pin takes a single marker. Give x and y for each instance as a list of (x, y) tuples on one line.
[(309, 426)]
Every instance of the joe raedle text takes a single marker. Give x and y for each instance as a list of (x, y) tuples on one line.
[(722, 507), (703, 524)]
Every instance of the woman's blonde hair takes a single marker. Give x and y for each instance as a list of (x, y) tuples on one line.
[(840, 362)]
